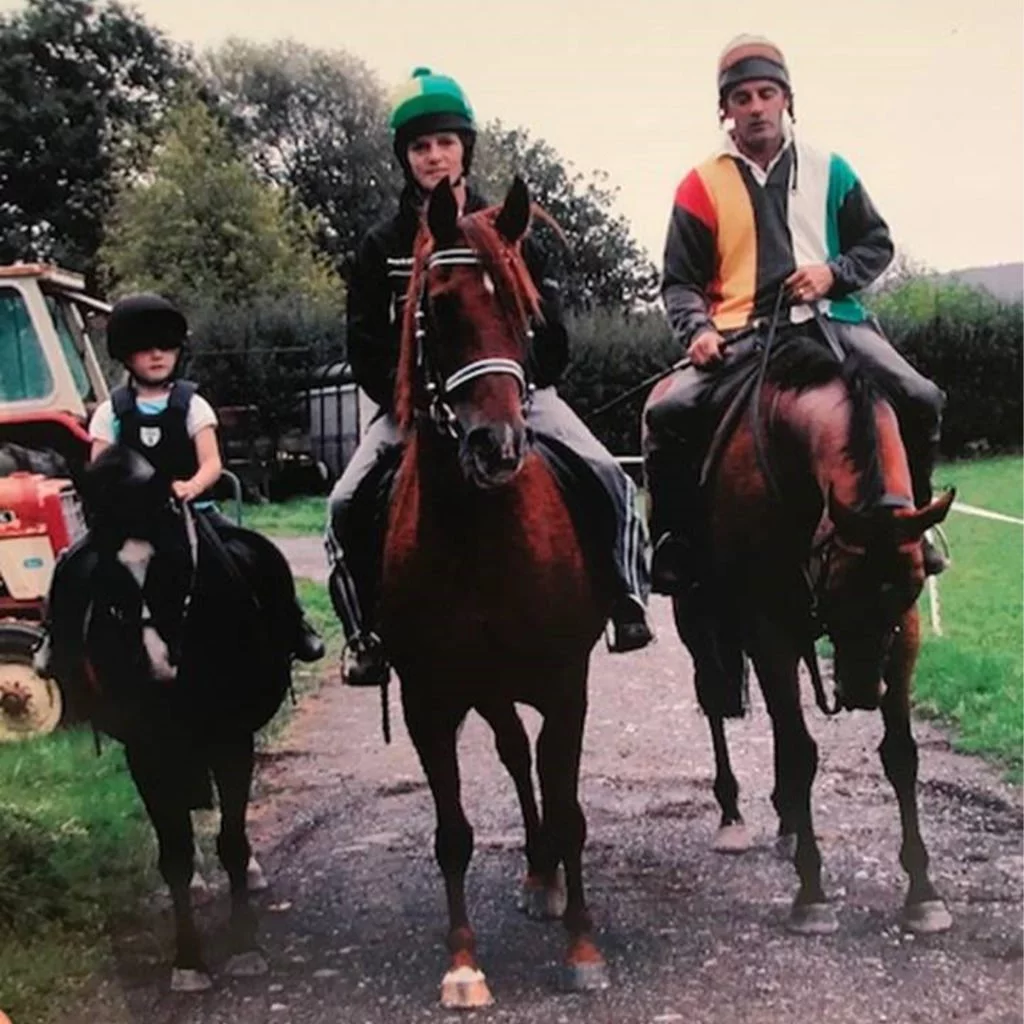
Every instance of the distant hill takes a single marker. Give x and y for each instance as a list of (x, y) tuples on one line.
[(1004, 280)]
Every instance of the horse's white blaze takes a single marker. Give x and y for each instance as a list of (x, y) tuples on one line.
[(489, 284), (135, 556)]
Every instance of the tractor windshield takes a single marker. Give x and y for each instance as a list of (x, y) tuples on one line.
[(71, 347), (24, 374)]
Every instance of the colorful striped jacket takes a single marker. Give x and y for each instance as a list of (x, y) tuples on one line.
[(737, 232)]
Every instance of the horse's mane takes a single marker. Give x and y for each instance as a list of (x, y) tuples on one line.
[(803, 363), (514, 288)]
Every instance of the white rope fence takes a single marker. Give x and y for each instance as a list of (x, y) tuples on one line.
[(934, 605)]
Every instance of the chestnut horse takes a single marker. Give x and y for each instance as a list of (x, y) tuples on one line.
[(814, 531), (486, 599)]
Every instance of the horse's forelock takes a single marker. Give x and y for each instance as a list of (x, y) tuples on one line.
[(506, 265)]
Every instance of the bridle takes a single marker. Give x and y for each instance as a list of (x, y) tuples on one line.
[(816, 572), (439, 388)]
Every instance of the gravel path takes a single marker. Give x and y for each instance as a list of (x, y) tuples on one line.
[(354, 923)]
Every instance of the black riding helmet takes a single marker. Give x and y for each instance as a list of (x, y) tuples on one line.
[(143, 321)]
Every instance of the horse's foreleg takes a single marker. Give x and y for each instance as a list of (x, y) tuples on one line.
[(796, 764), (733, 836), (785, 840), (433, 734), (924, 910), (153, 768), (542, 896), (559, 749), (231, 760)]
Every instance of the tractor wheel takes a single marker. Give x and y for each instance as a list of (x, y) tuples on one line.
[(29, 704)]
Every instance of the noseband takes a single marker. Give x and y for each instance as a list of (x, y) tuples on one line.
[(440, 388)]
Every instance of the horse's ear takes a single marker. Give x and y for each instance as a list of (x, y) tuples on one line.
[(914, 524), (514, 217), (852, 526), (443, 214)]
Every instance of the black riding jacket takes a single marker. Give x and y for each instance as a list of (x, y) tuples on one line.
[(378, 281)]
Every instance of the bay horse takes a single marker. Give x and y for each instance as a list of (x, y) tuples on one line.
[(169, 637), (485, 597), (814, 531)]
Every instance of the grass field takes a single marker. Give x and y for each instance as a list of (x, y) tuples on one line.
[(76, 851), (972, 674), (298, 516)]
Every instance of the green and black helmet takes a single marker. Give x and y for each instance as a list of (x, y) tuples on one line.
[(428, 103)]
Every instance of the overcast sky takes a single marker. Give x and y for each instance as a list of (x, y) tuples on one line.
[(923, 97)]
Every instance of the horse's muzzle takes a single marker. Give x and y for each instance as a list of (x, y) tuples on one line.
[(493, 454), (859, 675)]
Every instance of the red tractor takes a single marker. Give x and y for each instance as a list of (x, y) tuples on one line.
[(50, 381)]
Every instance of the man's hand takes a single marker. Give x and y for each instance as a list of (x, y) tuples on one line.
[(186, 490), (706, 349), (810, 283)]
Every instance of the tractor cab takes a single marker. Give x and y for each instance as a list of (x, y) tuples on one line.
[(50, 382), (50, 378)]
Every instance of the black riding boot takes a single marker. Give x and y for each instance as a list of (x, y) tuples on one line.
[(676, 520), (922, 461), (308, 646)]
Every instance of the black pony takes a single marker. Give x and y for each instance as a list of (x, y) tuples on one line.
[(175, 639)]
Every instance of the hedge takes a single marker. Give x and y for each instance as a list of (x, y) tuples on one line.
[(966, 341)]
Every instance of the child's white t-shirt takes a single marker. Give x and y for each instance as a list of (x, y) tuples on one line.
[(104, 425)]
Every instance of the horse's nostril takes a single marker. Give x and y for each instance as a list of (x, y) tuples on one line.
[(495, 448)]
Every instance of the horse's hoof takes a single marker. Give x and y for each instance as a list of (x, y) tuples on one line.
[(929, 917), (187, 979), (255, 880), (785, 846), (733, 838), (812, 919), (588, 976), (465, 988), (542, 902)]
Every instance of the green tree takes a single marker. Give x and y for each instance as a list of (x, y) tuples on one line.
[(82, 89), (600, 263), (200, 226), (315, 122), (236, 252)]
